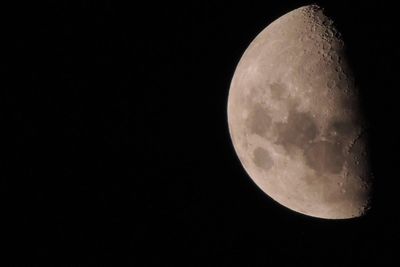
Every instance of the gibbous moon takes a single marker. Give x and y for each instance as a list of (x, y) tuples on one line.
[(295, 119)]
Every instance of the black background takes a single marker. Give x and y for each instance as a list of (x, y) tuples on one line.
[(117, 148)]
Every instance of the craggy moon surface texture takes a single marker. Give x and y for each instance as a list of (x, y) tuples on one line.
[(295, 119)]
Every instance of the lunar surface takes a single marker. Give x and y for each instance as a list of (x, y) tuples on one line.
[(295, 119)]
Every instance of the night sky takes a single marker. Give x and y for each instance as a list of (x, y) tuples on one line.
[(117, 147)]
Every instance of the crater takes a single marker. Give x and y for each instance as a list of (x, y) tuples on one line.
[(299, 130), (258, 121), (325, 157), (262, 158)]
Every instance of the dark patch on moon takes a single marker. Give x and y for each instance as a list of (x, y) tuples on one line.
[(337, 130), (358, 147), (259, 120), (325, 157), (351, 102), (262, 158), (277, 90), (310, 180), (341, 128), (330, 195), (360, 156), (321, 183), (299, 130)]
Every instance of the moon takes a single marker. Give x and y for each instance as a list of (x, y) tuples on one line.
[(295, 119)]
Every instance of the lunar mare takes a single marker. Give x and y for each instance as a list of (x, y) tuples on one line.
[(295, 119)]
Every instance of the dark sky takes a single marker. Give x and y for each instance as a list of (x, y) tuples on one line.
[(117, 146)]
